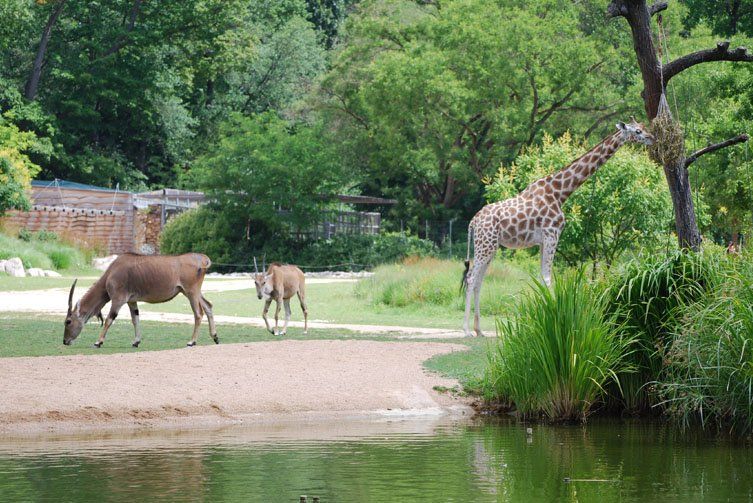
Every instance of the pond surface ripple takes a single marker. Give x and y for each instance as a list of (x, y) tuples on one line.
[(380, 461)]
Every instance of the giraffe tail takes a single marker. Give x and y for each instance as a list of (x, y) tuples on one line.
[(464, 281)]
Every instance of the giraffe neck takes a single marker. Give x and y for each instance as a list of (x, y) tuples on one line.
[(567, 180)]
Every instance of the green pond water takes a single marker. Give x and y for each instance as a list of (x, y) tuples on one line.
[(381, 461)]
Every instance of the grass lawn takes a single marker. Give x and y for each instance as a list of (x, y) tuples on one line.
[(86, 277), (332, 302), (29, 335)]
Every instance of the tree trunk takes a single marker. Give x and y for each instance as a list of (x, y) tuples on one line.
[(639, 17), (32, 85), (688, 235)]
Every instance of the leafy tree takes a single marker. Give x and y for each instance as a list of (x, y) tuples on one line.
[(130, 91), (726, 17), (431, 99), (269, 173), (655, 75), (16, 169), (623, 204)]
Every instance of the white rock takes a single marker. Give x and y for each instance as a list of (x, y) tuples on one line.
[(15, 267), (2, 266), (102, 263), (35, 272), (52, 274)]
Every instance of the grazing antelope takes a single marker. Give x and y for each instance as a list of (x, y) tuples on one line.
[(148, 278), (279, 283)]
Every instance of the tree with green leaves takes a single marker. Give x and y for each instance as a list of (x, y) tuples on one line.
[(16, 169), (656, 75), (430, 97), (269, 173)]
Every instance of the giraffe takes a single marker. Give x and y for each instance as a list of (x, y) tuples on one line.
[(534, 217)]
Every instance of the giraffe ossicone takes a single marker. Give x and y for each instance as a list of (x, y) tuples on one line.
[(534, 217)]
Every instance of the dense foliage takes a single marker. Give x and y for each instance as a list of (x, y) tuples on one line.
[(415, 101), (207, 231)]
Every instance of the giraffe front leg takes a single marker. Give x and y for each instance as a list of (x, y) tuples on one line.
[(548, 248)]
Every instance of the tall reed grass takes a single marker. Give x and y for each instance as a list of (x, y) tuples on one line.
[(559, 350), (649, 298), (709, 365)]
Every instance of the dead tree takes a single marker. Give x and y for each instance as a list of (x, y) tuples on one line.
[(655, 78)]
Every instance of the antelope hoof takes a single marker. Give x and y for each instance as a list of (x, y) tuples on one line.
[(136, 344), (191, 344), (97, 345), (216, 339)]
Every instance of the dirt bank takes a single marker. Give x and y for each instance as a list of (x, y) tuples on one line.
[(227, 384)]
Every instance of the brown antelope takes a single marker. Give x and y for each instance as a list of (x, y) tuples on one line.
[(148, 278), (279, 283)]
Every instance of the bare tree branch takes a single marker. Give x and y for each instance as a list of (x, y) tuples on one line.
[(32, 84), (711, 148), (617, 8), (657, 7), (123, 40), (720, 53)]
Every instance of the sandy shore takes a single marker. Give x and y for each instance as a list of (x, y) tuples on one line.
[(225, 384)]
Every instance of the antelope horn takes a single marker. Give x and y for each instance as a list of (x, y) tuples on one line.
[(632, 117), (264, 262), (256, 267), (70, 296)]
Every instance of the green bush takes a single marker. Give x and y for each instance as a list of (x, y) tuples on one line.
[(206, 230), (709, 372), (433, 281), (202, 230), (649, 295), (557, 353)]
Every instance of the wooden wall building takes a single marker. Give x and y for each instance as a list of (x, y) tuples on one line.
[(93, 216)]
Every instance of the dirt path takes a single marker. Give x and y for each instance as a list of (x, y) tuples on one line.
[(54, 301), (225, 384)]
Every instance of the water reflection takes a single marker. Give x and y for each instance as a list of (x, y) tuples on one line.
[(408, 460)]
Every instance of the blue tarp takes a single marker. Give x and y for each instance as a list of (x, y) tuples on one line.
[(65, 184)]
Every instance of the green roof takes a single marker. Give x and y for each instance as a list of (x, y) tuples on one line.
[(65, 184)]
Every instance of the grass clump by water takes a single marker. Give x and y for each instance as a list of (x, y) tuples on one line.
[(43, 250), (420, 281), (650, 296), (557, 353), (708, 377)]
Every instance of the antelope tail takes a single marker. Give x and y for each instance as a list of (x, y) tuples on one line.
[(464, 281)]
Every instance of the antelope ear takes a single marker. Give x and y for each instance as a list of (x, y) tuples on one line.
[(621, 126)]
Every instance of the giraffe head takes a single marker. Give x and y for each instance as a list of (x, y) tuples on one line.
[(635, 131)]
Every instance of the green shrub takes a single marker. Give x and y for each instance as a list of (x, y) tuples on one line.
[(557, 352), (207, 231), (46, 253), (648, 296), (202, 230), (427, 280), (709, 372)]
